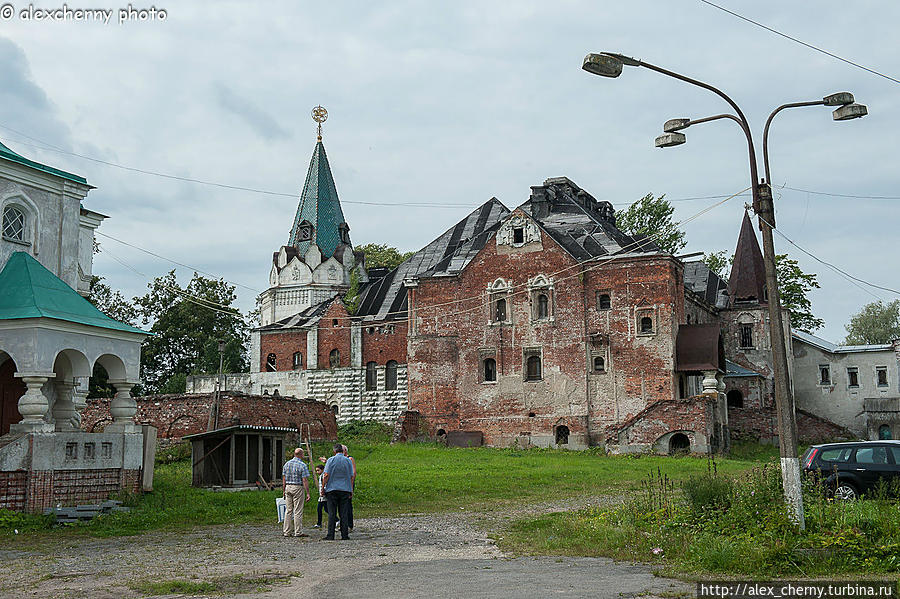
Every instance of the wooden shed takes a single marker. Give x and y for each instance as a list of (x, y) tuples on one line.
[(239, 456)]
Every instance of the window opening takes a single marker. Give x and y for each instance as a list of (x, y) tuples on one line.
[(881, 376), (490, 369), (371, 376), (853, 376), (562, 435), (390, 375), (271, 362), (297, 360), (533, 368), (13, 223), (603, 302), (646, 324), (518, 235), (746, 335), (884, 433), (543, 306), (334, 358), (735, 399), (599, 364), (500, 310), (824, 374)]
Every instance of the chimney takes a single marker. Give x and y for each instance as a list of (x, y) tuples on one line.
[(540, 202)]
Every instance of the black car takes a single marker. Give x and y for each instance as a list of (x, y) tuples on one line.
[(849, 470)]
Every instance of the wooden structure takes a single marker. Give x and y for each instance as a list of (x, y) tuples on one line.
[(239, 456)]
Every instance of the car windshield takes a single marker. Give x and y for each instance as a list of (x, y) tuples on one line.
[(836, 454)]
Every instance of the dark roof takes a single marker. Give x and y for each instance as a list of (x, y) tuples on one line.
[(747, 281), (584, 227), (705, 283), (699, 347), (385, 297), (7, 154), (738, 371), (29, 290), (307, 318)]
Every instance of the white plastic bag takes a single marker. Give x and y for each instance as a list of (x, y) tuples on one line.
[(280, 507)]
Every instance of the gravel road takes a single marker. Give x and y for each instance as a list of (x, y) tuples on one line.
[(408, 556)]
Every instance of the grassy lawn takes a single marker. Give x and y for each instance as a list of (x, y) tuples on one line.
[(393, 479)]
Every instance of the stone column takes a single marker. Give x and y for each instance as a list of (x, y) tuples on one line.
[(34, 405), (79, 399), (123, 409), (64, 408), (710, 383)]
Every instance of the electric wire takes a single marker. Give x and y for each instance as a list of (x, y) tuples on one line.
[(801, 42)]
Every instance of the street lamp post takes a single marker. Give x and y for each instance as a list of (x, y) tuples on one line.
[(609, 64)]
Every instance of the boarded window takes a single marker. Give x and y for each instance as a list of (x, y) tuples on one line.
[(371, 376), (334, 358), (271, 363), (490, 369), (390, 375), (746, 335), (543, 306), (533, 368)]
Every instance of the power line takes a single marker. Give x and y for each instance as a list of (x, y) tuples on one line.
[(842, 195), (801, 42)]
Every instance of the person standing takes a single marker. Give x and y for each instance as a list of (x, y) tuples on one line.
[(350, 509), (322, 505), (295, 488), (338, 480)]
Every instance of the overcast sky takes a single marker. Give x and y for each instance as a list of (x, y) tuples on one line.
[(453, 103)]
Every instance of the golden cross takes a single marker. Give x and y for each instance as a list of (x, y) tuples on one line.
[(319, 115)]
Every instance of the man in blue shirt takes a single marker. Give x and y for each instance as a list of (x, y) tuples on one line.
[(295, 486), (338, 479)]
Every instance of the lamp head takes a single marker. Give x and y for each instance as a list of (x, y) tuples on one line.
[(838, 99), (221, 345), (602, 64), (667, 140), (849, 112), (673, 125)]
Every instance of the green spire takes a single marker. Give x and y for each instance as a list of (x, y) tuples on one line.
[(320, 206), (28, 290)]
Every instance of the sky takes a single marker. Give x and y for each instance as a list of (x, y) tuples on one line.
[(447, 104)]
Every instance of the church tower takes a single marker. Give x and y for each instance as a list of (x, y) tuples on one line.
[(318, 259)]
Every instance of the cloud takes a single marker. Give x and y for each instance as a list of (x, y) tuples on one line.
[(257, 119)]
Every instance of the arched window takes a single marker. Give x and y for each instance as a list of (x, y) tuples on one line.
[(543, 306), (490, 369), (533, 368), (371, 376), (14, 224), (271, 363), (646, 324), (500, 310), (335, 409), (603, 302), (390, 375), (884, 432), (599, 364), (735, 399), (334, 358), (297, 361), (562, 435)]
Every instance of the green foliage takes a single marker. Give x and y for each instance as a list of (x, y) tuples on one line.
[(11, 522), (365, 431), (186, 333), (719, 263), (793, 285), (382, 255), (653, 217), (726, 525), (236, 584), (112, 303), (177, 383), (352, 297), (876, 323), (177, 452)]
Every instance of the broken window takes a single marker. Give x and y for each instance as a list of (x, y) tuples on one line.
[(500, 310), (603, 301), (533, 367), (646, 324), (271, 362), (490, 369), (746, 335), (297, 360), (543, 306), (518, 235), (853, 376), (881, 376), (371, 376), (334, 358), (735, 399), (824, 374), (390, 375)]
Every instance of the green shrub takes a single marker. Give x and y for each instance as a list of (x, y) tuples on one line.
[(365, 431), (17, 522), (708, 492), (177, 452)]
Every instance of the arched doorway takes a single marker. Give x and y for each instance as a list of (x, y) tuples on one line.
[(562, 435), (11, 389), (735, 399), (679, 443)]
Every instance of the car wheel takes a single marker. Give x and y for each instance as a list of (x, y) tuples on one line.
[(844, 492)]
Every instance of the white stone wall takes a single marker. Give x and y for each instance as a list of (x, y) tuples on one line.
[(345, 388)]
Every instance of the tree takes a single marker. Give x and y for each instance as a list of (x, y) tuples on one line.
[(793, 285), (653, 217), (383, 255), (875, 324), (353, 296), (112, 303), (187, 324), (719, 263)]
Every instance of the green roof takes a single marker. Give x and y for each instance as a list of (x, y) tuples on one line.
[(28, 290), (319, 204), (7, 154)]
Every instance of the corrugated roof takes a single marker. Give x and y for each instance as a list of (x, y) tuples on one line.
[(385, 297), (28, 290), (7, 154), (319, 204), (838, 349)]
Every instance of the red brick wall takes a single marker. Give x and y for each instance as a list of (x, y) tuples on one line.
[(334, 333), (44, 489), (762, 425), (447, 342), (175, 416), (13, 486), (384, 341), (283, 345)]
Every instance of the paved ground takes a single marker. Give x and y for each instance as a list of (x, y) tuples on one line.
[(413, 556)]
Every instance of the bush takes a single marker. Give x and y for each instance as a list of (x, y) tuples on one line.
[(177, 452), (365, 431)]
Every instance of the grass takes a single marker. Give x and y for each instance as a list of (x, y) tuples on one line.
[(393, 479), (227, 585), (712, 524)]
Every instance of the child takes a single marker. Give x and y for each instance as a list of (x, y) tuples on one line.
[(322, 504)]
